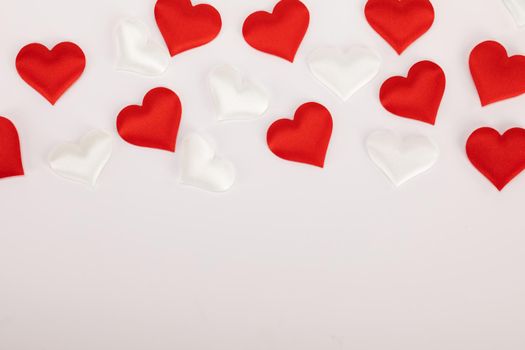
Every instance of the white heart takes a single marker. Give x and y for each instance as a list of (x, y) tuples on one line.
[(137, 52), (517, 10), (202, 168), (344, 71), (82, 161), (236, 98), (399, 158)]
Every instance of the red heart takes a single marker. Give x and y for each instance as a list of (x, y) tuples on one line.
[(499, 157), (418, 96), (10, 157), (279, 33), (185, 26), (304, 139), (51, 72), (155, 124), (400, 22), (497, 76)]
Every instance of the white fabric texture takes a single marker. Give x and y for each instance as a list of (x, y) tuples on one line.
[(236, 97), (137, 52), (84, 160), (401, 158), (344, 71), (202, 168), (517, 10)]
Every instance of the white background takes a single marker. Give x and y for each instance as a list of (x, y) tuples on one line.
[(293, 257)]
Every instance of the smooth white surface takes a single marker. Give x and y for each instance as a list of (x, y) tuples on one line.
[(517, 10), (137, 52), (236, 96), (82, 161), (401, 158), (293, 257), (344, 71), (202, 168)]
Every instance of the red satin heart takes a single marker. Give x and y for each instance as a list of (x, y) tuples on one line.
[(304, 139), (497, 76), (279, 33), (418, 96), (10, 157), (185, 26), (155, 124), (51, 72), (499, 157), (400, 22)]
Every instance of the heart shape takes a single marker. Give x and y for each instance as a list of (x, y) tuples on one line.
[(279, 33), (418, 96), (51, 72), (401, 159), (517, 10), (10, 155), (236, 97), (155, 124), (82, 161), (496, 75), (304, 139), (500, 158), (137, 52), (344, 72), (202, 168), (185, 26), (400, 22)]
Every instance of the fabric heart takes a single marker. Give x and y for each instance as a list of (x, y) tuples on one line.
[(304, 139), (344, 72), (137, 52), (279, 33), (155, 124), (418, 96), (236, 97), (202, 168), (401, 159), (51, 72), (400, 22), (10, 155), (83, 161), (185, 26), (500, 158), (517, 10), (497, 76)]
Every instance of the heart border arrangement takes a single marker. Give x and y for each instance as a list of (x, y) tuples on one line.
[(305, 138)]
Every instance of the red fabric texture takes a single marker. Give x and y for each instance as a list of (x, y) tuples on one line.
[(304, 139), (400, 22), (10, 157), (185, 26), (51, 72), (418, 96), (279, 33), (497, 76), (499, 157), (155, 124)]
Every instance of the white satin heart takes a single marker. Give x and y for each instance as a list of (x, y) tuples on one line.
[(399, 158), (137, 52), (517, 10), (344, 71), (82, 161), (236, 98), (202, 168)]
